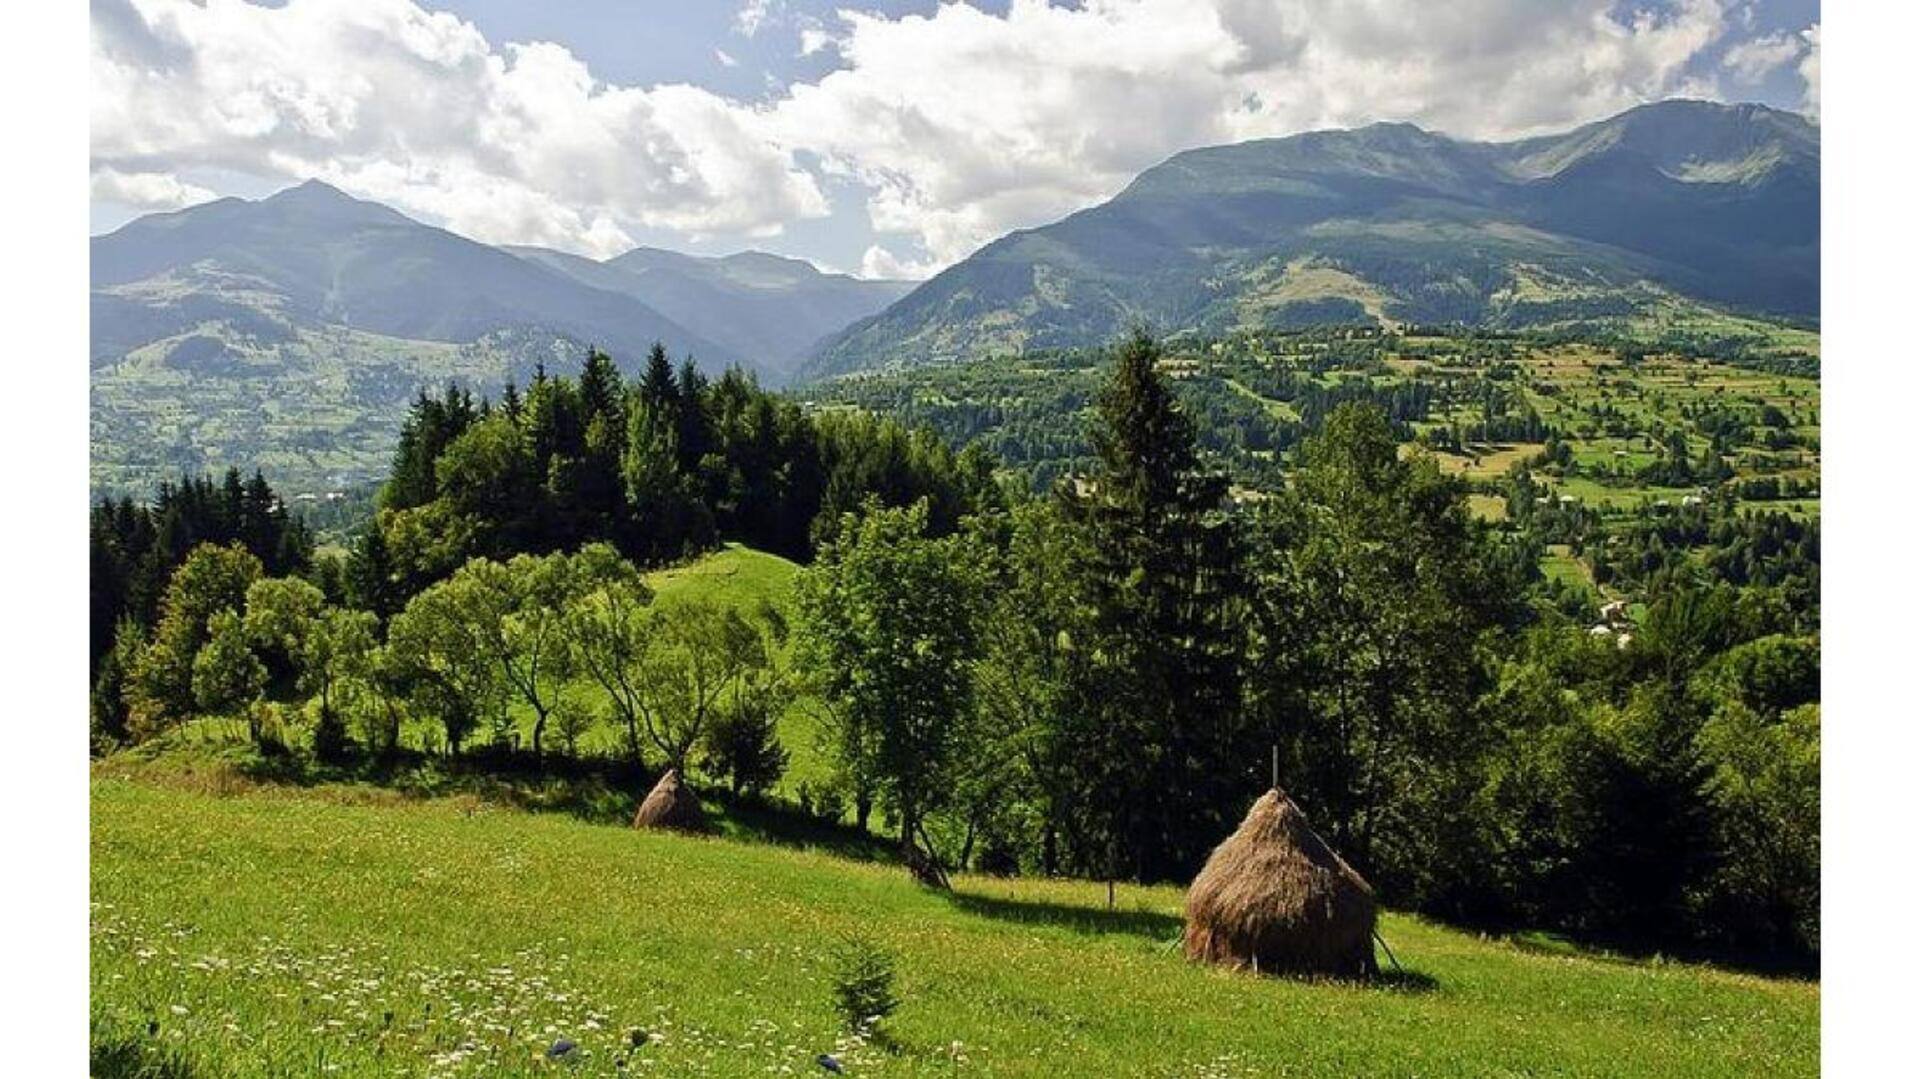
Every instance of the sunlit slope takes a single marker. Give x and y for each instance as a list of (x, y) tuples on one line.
[(273, 933)]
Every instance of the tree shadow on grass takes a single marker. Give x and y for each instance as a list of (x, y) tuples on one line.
[(1164, 929), (1402, 980), (1626, 952), (756, 819), (114, 1055), (597, 790), (1086, 921)]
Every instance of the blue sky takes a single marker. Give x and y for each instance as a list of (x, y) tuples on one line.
[(885, 138)]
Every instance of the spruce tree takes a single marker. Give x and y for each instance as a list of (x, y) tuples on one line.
[(371, 580), (1157, 693)]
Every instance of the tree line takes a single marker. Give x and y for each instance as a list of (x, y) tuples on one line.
[(659, 468)]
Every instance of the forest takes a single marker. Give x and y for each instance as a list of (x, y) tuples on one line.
[(1076, 648)]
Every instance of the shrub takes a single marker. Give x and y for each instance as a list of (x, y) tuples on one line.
[(744, 746), (822, 801), (331, 743), (863, 974)]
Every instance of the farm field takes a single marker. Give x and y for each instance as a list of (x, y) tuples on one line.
[(1620, 434), (314, 407), (241, 930)]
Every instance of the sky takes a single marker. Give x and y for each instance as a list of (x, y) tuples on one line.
[(884, 139)]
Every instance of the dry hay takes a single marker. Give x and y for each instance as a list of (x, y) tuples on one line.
[(671, 804), (1276, 899)]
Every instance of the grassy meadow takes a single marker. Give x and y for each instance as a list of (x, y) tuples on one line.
[(254, 930)]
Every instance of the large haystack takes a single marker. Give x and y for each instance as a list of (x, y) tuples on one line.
[(1275, 898), (671, 804)]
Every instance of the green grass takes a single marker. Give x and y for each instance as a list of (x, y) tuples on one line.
[(734, 575), (1560, 564), (300, 932)]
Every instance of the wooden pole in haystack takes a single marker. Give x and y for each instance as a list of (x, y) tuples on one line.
[(1113, 859)]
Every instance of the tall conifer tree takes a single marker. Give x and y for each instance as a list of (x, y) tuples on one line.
[(1158, 689)]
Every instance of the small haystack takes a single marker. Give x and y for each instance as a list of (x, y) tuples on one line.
[(1275, 898), (671, 804)]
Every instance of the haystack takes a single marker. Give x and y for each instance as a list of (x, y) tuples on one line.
[(671, 804), (1275, 898)]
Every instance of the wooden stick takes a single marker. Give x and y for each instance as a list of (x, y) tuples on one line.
[(1389, 951)]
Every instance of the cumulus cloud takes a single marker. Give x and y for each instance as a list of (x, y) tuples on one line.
[(815, 38), (1810, 71), (956, 126), (878, 262), (145, 190), (512, 144), (1753, 60)]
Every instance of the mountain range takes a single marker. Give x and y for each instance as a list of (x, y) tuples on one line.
[(764, 308), (1679, 206), (290, 332), (311, 255)]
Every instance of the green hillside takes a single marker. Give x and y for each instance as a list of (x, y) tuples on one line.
[(735, 575), (255, 932)]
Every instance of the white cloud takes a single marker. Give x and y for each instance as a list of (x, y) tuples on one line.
[(145, 190), (1755, 59), (513, 144), (815, 38), (878, 262), (754, 15), (1810, 71)]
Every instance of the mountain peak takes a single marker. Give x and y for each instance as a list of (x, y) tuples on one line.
[(762, 269), (1684, 138), (317, 198), (767, 259), (311, 190)]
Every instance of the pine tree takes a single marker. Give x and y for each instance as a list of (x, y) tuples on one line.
[(658, 390), (602, 502), (108, 704), (1158, 697), (601, 391), (693, 436), (431, 424), (667, 520), (371, 577)]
